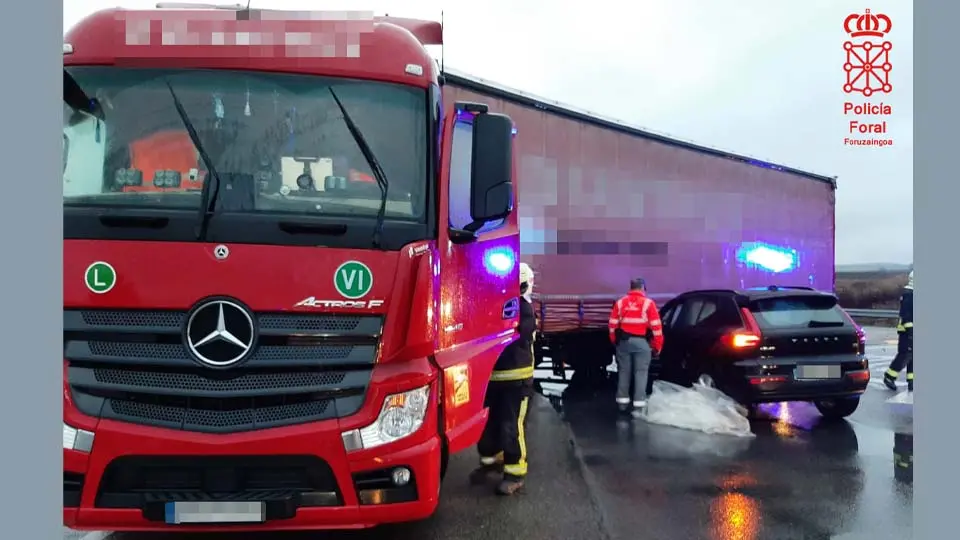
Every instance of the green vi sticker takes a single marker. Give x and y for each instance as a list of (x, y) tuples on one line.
[(100, 277), (353, 280)]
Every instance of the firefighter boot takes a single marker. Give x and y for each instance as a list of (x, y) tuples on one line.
[(890, 381), (509, 485), (483, 473), (909, 382)]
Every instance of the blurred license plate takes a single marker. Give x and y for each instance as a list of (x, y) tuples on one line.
[(818, 372), (214, 512)]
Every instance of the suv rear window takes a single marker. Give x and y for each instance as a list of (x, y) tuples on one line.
[(798, 311)]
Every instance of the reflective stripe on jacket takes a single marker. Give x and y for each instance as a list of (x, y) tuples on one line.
[(635, 314), (905, 322), (516, 361)]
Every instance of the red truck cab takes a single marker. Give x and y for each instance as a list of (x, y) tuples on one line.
[(253, 338)]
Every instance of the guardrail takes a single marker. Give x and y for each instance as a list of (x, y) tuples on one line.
[(873, 313)]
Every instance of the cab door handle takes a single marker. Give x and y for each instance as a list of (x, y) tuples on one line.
[(511, 309)]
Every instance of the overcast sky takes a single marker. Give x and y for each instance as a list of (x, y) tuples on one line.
[(751, 76)]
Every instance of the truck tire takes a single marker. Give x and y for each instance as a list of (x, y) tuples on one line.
[(836, 409)]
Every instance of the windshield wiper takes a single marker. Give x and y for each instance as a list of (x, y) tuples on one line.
[(208, 195), (77, 99), (824, 324), (375, 167)]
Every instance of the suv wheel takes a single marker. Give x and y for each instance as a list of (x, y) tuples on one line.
[(837, 408)]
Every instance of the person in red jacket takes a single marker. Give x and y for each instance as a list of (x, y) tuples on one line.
[(637, 333)]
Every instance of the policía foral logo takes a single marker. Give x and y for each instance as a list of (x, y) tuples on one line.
[(867, 67)]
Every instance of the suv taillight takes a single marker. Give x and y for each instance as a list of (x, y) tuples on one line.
[(744, 338), (861, 334)]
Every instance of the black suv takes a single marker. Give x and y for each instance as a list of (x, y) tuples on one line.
[(764, 345)]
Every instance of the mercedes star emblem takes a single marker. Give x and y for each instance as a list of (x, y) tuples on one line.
[(220, 333), (221, 252)]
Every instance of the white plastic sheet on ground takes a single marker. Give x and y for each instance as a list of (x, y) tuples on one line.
[(701, 408)]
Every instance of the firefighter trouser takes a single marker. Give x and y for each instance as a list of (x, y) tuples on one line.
[(503, 437), (633, 366), (904, 357)]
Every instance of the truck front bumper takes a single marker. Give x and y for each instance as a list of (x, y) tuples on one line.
[(305, 477)]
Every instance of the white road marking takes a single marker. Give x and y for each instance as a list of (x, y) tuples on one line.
[(901, 398)]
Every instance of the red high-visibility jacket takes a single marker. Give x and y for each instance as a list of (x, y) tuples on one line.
[(634, 314)]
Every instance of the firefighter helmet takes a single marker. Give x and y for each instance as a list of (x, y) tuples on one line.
[(526, 275)]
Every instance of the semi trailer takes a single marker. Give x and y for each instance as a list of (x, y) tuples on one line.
[(602, 202), (290, 259)]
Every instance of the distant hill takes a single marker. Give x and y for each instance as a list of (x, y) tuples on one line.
[(874, 268)]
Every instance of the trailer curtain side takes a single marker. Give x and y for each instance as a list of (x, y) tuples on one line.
[(599, 205)]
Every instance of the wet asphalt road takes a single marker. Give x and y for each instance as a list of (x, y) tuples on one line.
[(594, 476), (555, 502), (800, 478)]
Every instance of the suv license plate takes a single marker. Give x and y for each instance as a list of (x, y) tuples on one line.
[(214, 512), (818, 372)]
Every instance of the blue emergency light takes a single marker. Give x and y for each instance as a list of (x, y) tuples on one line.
[(767, 257), (499, 261)]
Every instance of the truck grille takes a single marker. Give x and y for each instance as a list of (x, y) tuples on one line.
[(132, 366), (147, 482)]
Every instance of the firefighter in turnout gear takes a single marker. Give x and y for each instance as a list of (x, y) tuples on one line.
[(637, 334), (503, 446), (904, 357)]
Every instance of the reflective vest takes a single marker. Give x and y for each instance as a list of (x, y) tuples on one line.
[(635, 315)]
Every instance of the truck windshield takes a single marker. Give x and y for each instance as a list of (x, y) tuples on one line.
[(279, 142)]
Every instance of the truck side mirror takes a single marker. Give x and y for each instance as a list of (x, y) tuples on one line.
[(491, 186)]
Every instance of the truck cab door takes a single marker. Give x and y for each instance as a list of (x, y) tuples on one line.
[(479, 284)]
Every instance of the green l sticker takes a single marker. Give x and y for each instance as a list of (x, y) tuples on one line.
[(353, 280), (100, 277)]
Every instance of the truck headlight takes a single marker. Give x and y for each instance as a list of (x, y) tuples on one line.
[(80, 440), (401, 415)]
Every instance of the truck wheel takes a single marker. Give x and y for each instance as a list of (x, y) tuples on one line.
[(835, 409)]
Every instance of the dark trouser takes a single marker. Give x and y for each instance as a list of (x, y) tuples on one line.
[(504, 432), (904, 358), (633, 366)]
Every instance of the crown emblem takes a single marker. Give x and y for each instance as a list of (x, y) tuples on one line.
[(867, 24)]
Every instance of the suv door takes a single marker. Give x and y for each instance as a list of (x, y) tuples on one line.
[(709, 319), (675, 343), (660, 368)]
